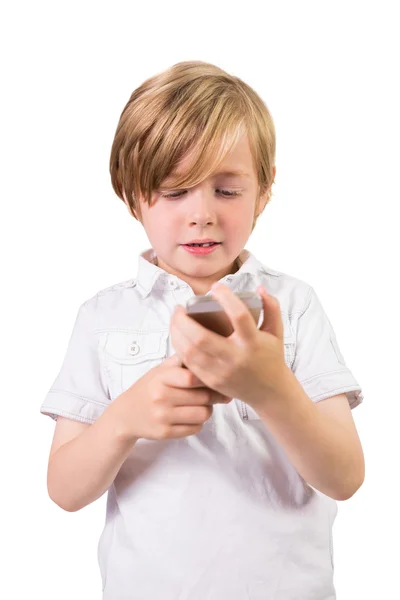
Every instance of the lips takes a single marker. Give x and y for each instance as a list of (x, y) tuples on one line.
[(201, 250)]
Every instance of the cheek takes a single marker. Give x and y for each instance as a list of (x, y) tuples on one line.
[(239, 218), (154, 219)]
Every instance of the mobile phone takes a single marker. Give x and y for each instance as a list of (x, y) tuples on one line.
[(210, 314)]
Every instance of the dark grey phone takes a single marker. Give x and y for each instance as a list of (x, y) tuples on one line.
[(209, 313)]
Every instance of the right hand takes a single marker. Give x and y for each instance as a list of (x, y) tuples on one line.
[(169, 401)]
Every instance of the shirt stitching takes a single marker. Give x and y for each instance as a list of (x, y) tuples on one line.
[(64, 413), (336, 372), (336, 391), (307, 302), (84, 398)]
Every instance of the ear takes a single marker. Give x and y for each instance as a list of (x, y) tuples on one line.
[(267, 194)]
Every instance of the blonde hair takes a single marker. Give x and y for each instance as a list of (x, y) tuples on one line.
[(193, 107)]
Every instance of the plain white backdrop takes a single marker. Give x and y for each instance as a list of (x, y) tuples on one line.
[(328, 72)]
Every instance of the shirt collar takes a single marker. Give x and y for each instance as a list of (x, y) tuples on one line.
[(150, 276)]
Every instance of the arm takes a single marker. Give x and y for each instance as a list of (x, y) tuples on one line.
[(319, 439), (164, 403), (85, 459)]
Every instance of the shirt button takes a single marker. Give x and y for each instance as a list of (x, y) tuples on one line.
[(134, 349)]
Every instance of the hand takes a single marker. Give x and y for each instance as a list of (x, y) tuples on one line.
[(169, 401), (249, 364)]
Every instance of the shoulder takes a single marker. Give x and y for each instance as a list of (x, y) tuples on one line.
[(112, 298), (116, 288), (292, 292)]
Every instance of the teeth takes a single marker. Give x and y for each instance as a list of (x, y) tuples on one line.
[(205, 245)]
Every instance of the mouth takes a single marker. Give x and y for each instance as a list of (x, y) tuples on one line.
[(201, 249), (201, 242)]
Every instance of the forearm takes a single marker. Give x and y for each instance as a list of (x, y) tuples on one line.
[(321, 450), (81, 470)]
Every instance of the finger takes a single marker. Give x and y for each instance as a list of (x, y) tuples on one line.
[(204, 347), (238, 313), (217, 398), (180, 397), (179, 377), (181, 431), (197, 397), (172, 361), (272, 322), (190, 415)]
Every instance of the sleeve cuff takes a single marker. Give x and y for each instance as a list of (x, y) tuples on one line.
[(322, 386), (65, 404)]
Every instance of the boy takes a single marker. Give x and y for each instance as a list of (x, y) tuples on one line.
[(222, 477)]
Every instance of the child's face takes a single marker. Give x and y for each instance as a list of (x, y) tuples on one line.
[(205, 211)]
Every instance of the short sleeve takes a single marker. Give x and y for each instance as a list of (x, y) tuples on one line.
[(79, 392), (318, 363)]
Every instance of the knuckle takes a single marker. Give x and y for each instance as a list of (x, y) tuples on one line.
[(215, 381), (158, 393), (197, 428), (246, 358), (190, 378), (205, 412), (220, 397), (199, 340), (214, 397), (163, 432), (160, 413), (206, 396), (242, 316), (187, 354)]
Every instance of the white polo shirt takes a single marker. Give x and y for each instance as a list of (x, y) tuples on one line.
[(223, 514)]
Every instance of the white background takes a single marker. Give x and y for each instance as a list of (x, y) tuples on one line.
[(329, 75)]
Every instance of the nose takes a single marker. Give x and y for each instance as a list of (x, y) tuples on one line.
[(201, 208)]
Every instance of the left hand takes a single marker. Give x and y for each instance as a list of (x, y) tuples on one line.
[(249, 364)]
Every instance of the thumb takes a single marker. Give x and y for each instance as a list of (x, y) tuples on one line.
[(272, 322), (175, 361), (172, 361)]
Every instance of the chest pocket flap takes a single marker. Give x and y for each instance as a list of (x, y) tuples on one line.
[(135, 347), (128, 355)]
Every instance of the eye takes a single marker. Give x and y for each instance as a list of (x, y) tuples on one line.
[(230, 192), (178, 194), (173, 194)]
